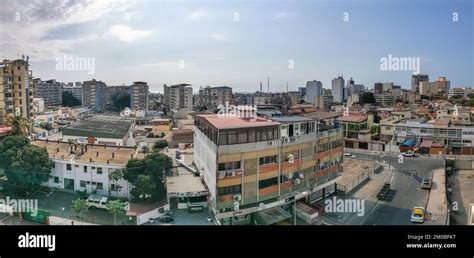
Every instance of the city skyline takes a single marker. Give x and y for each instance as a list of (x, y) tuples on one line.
[(241, 44)]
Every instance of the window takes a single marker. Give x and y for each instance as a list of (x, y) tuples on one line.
[(267, 160), (268, 182), (100, 186), (232, 137), (68, 167), (82, 183), (99, 171), (229, 165), (223, 138), (233, 189), (243, 137), (251, 136), (85, 169), (56, 180)]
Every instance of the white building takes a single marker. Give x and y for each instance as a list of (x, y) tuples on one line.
[(338, 89), (178, 97), (87, 167), (38, 105), (313, 90)]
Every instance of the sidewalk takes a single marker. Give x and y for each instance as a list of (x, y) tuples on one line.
[(437, 200)]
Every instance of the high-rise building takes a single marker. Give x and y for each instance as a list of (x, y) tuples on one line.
[(94, 95), (313, 90), (416, 79), (212, 97), (76, 91), (178, 97), (338, 89), (378, 88), (253, 168), (443, 84), (428, 88), (16, 89), (50, 91), (387, 86), (139, 96)]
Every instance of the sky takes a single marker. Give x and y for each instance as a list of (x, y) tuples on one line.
[(240, 43)]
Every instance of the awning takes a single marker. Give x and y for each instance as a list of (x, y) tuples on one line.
[(457, 145), (271, 216), (426, 144), (408, 143)]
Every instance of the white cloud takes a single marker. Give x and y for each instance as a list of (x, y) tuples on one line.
[(127, 34), (220, 37), (26, 25)]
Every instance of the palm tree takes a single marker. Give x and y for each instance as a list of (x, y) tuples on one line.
[(19, 124)]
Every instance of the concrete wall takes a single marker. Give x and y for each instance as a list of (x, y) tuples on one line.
[(205, 159)]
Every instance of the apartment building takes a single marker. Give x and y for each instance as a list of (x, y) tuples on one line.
[(87, 167), (50, 91), (212, 97), (314, 89), (76, 90), (252, 168), (111, 92), (16, 89), (338, 89), (178, 97), (139, 96), (437, 137), (94, 95), (416, 79)]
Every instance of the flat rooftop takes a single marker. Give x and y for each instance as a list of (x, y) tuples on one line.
[(184, 183), (290, 119), (62, 150), (100, 126), (235, 122)]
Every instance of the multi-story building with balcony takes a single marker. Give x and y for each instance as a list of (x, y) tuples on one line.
[(178, 97), (252, 168), (16, 89), (94, 95), (50, 91), (139, 96), (212, 97), (75, 90)]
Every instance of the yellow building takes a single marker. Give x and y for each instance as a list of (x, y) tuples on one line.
[(254, 167), (16, 89)]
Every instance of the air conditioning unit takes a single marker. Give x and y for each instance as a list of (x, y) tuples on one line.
[(237, 197), (230, 173), (222, 174), (271, 143), (288, 140), (297, 182)]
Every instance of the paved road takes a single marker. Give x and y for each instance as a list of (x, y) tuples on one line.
[(405, 184)]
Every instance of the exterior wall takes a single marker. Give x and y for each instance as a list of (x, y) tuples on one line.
[(205, 153), (50, 91), (108, 141), (77, 174)]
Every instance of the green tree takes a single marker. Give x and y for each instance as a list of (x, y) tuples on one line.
[(160, 144), (115, 176), (19, 124), (120, 100), (367, 98), (68, 100), (25, 166), (80, 207), (147, 176), (115, 207)]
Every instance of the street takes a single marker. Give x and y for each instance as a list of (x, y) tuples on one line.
[(405, 187)]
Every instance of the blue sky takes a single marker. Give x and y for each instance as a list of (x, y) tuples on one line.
[(146, 39)]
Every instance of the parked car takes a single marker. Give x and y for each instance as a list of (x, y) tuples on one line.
[(426, 183), (418, 215), (97, 201), (347, 154), (410, 154)]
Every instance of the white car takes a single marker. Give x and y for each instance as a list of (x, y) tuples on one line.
[(97, 201), (347, 154), (418, 215)]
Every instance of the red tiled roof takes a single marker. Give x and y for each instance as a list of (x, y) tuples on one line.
[(441, 122)]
